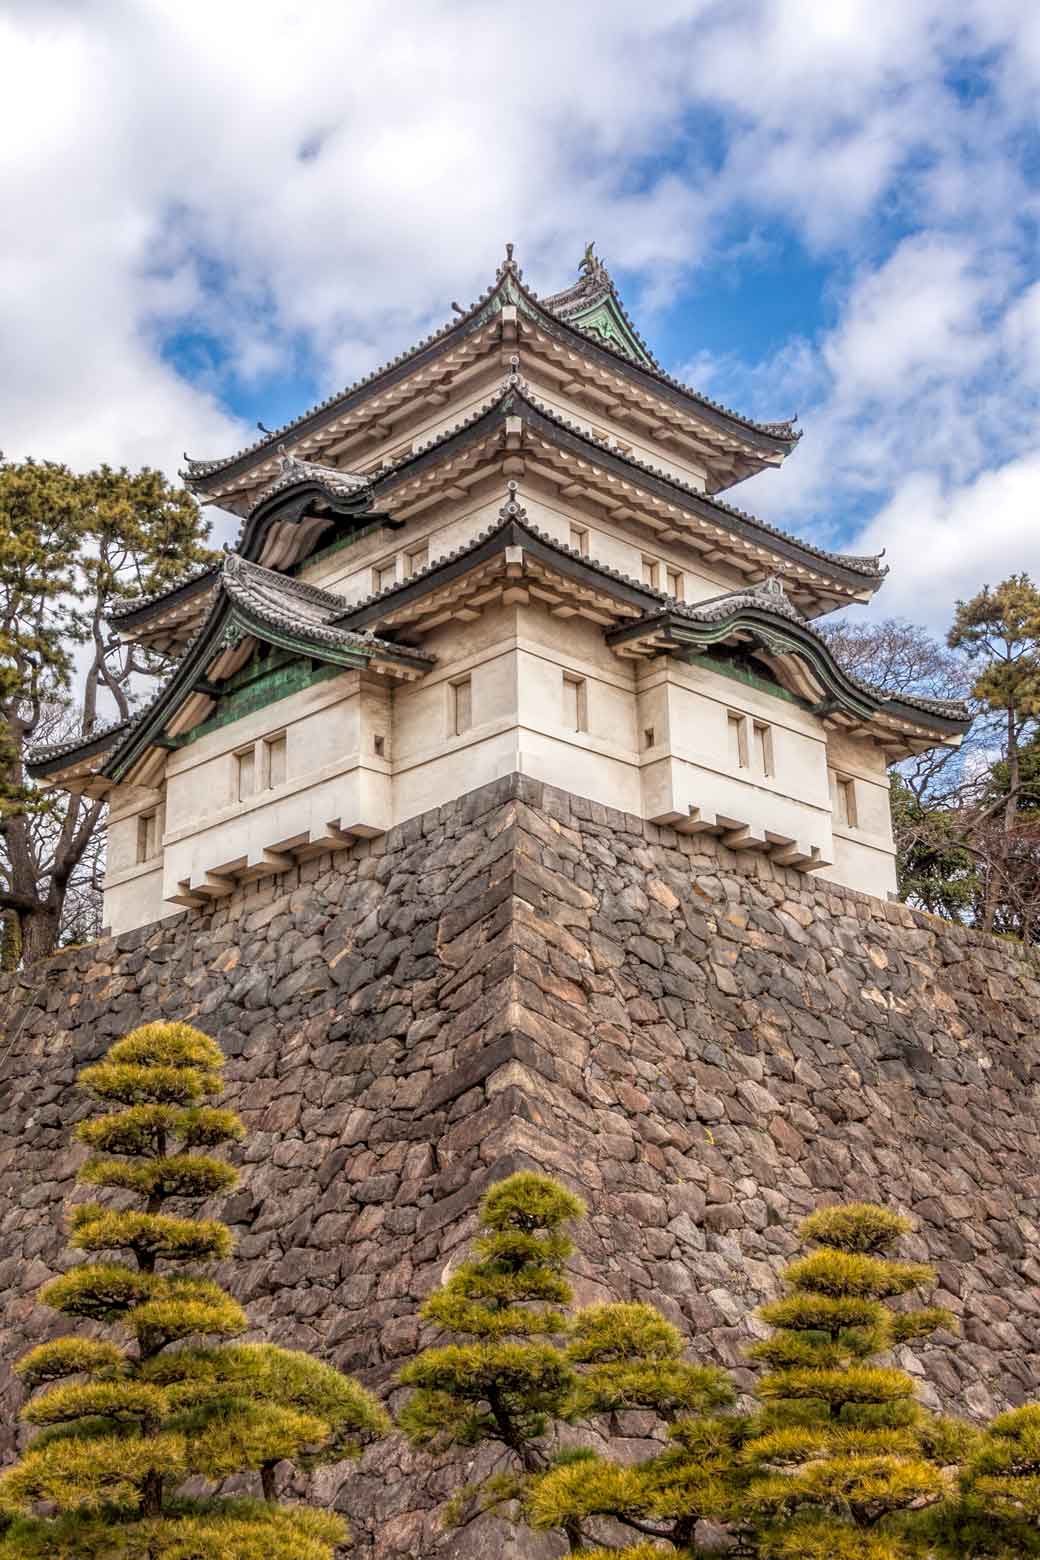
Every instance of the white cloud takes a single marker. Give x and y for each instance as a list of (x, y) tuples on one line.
[(314, 185), (945, 544), (921, 407)]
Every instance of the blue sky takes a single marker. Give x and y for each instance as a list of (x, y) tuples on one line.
[(220, 214)]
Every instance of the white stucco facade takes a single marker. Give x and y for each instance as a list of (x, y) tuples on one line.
[(546, 698)]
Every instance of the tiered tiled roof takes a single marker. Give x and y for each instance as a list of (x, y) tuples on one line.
[(569, 310)]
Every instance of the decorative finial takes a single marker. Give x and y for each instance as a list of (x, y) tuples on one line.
[(512, 509), (264, 429), (591, 264), (457, 307), (509, 264)]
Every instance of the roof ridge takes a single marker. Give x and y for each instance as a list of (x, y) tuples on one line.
[(763, 598), (196, 470), (131, 604), (708, 498)]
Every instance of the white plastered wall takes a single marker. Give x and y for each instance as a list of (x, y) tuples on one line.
[(864, 852), (362, 754), (691, 773), (335, 780)]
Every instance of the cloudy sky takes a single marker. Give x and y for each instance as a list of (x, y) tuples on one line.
[(214, 213)]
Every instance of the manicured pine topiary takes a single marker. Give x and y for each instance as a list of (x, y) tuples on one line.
[(528, 1364), (123, 1426), (842, 1452), (629, 1357), (997, 1514), (508, 1381)]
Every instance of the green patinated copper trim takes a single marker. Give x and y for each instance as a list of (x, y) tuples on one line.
[(604, 320), (336, 546), (777, 642), (744, 674), (228, 625), (257, 686)]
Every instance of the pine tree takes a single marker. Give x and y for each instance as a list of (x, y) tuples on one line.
[(842, 1451), (509, 1381), (123, 1425), (528, 1365), (999, 630), (997, 1515), (72, 546)]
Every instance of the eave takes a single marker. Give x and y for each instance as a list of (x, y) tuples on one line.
[(509, 314), (517, 435), (516, 564), (162, 622), (803, 664), (73, 765), (135, 753)]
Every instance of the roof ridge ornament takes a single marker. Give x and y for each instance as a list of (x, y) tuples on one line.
[(772, 585), (592, 267), (509, 265), (512, 509)]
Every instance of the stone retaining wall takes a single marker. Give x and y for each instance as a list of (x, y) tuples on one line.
[(705, 1045)]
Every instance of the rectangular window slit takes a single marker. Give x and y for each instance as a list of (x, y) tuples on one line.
[(274, 761), (147, 836), (379, 743), (763, 748), (580, 539), (648, 737), (460, 696), (650, 572), (738, 742), (676, 585), (416, 560), (245, 773), (575, 703), (385, 574), (845, 796)]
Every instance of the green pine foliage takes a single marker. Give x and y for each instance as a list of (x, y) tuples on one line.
[(122, 1426), (509, 1379), (997, 1513), (525, 1363), (841, 1451)]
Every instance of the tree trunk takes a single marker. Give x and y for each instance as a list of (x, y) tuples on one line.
[(1011, 809), (10, 942), (39, 932), (1010, 818), (152, 1495)]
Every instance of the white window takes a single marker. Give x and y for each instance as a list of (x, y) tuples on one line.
[(274, 761), (651, 572), (245, 773), (736, 725), (460, 706), (575, 703), (676, 585), (384, 574), (415, 560), (763, 748), (580, 539), (147, 836), (845, 801)]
